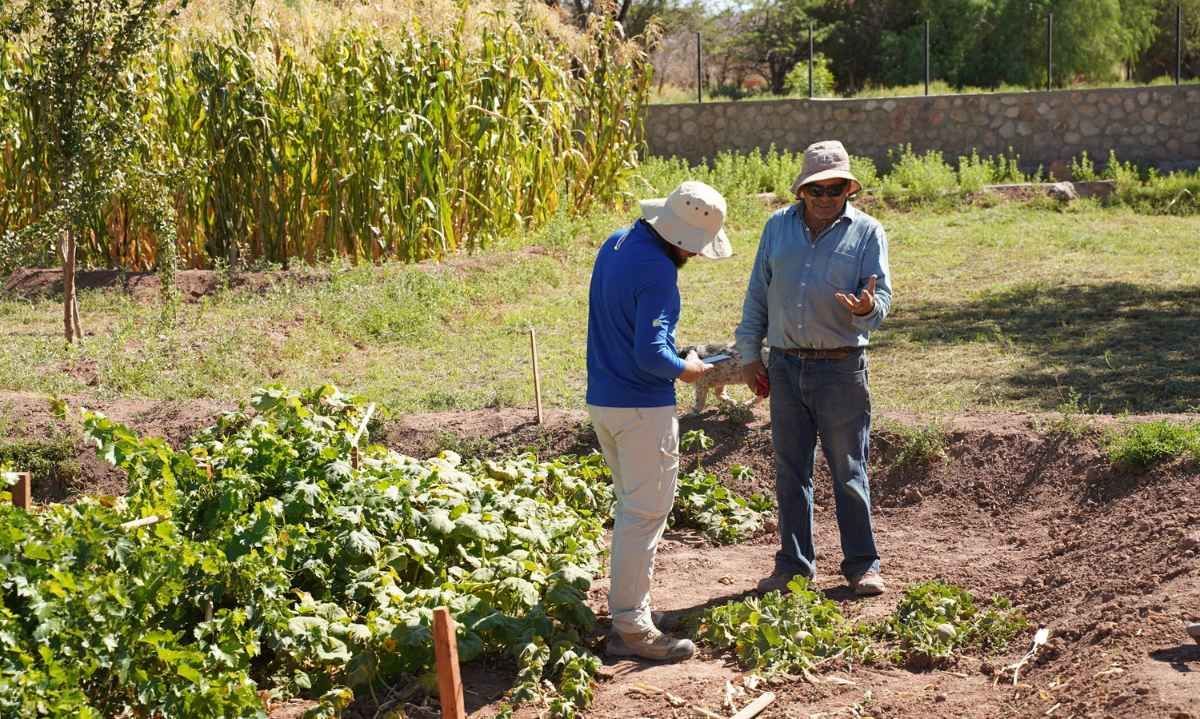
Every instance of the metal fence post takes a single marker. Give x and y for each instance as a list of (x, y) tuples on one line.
[(810, 61), (1049, 50), (1178, 42), (927, 58), (699, 77)]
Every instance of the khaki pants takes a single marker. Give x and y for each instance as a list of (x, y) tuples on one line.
[(641, 446)]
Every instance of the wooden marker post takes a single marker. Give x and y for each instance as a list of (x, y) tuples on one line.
[(537, 376), (445, 649), (22, 491)]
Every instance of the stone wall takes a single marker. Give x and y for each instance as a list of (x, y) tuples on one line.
[(1157, 126)]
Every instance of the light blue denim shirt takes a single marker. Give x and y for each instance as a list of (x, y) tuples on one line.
[(790, 299)]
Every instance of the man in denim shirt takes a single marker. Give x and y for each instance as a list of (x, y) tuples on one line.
[(820, 284)]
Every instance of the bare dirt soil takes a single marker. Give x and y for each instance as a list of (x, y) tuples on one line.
[(37, 283), (41, 283), (1107, 559)]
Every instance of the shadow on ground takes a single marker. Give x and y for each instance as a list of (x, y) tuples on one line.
[(1120, 346)]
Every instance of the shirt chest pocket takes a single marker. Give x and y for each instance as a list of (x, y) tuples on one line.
[(842, 272)]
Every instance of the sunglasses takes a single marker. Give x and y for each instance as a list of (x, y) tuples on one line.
[(827, 190)]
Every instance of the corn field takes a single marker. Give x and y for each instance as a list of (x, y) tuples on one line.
[(365, 148)]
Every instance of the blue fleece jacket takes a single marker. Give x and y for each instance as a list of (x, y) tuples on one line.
[(633, 308)]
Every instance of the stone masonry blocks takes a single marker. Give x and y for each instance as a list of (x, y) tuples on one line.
[(1153, 125)]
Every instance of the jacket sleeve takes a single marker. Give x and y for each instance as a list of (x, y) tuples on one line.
[(753, 327), (654, 332)]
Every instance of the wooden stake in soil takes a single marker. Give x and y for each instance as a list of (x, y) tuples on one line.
[(143, 522), (22, 491), (755, 707), (362, 427), (445, 649), (537, 376)]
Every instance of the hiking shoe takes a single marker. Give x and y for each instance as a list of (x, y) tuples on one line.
[(777, 582), (652, 644), (1193, 631), (868, 584)]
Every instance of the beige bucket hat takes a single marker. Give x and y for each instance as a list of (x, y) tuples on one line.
[(826, 160), (692, 217)]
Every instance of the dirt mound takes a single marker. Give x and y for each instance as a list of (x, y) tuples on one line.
[(1016, 505), (35, 283)]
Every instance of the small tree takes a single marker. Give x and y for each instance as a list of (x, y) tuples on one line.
[(777, 37), (84, 51)]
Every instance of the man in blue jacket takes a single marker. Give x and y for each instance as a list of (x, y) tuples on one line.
[(819, 286), (633, 308)]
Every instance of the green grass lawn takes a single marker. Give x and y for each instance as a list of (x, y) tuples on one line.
[(1011, 307)]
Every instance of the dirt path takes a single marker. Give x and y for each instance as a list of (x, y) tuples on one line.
[(1109, 561)]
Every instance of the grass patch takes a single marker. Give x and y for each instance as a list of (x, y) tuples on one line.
[(991, 311), (1145, 445), (51, 464)]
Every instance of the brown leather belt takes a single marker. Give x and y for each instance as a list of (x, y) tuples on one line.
[(834, 353)]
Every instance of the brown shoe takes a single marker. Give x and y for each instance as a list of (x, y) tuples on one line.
[(774, 583), (868, 584), (652, 644)]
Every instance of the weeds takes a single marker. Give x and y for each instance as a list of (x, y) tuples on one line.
[(919, 446), (935, 620), (784, 633), (793, 633), (1147, 444), (695, 439), (704, 503), (1083, 169), (1071, 421)]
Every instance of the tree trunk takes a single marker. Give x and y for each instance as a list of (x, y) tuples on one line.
[(71, 327)]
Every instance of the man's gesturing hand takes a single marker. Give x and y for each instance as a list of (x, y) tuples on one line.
[(755, 377), (693, 368), (862, 305)]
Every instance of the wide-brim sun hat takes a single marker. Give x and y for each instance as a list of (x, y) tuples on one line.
[(826, 160), (692, 218)]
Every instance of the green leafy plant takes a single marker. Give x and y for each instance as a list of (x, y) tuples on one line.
[(1082, 168), (784, 633), (702, 502), (935, 620), (695, 439), (916, 178), (286, 564)]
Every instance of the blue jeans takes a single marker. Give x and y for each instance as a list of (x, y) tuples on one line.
[(830, 399)]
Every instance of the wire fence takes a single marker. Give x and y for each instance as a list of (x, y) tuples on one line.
[(1177, 74)]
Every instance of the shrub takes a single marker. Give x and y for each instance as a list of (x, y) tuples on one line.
[(917, 178), (919, 446), (796, 82), (1082, 168)]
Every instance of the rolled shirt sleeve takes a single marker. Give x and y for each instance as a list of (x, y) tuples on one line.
[(875, 262), (753, 327)]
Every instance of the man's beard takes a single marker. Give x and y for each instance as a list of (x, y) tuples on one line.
[(677, 256)]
